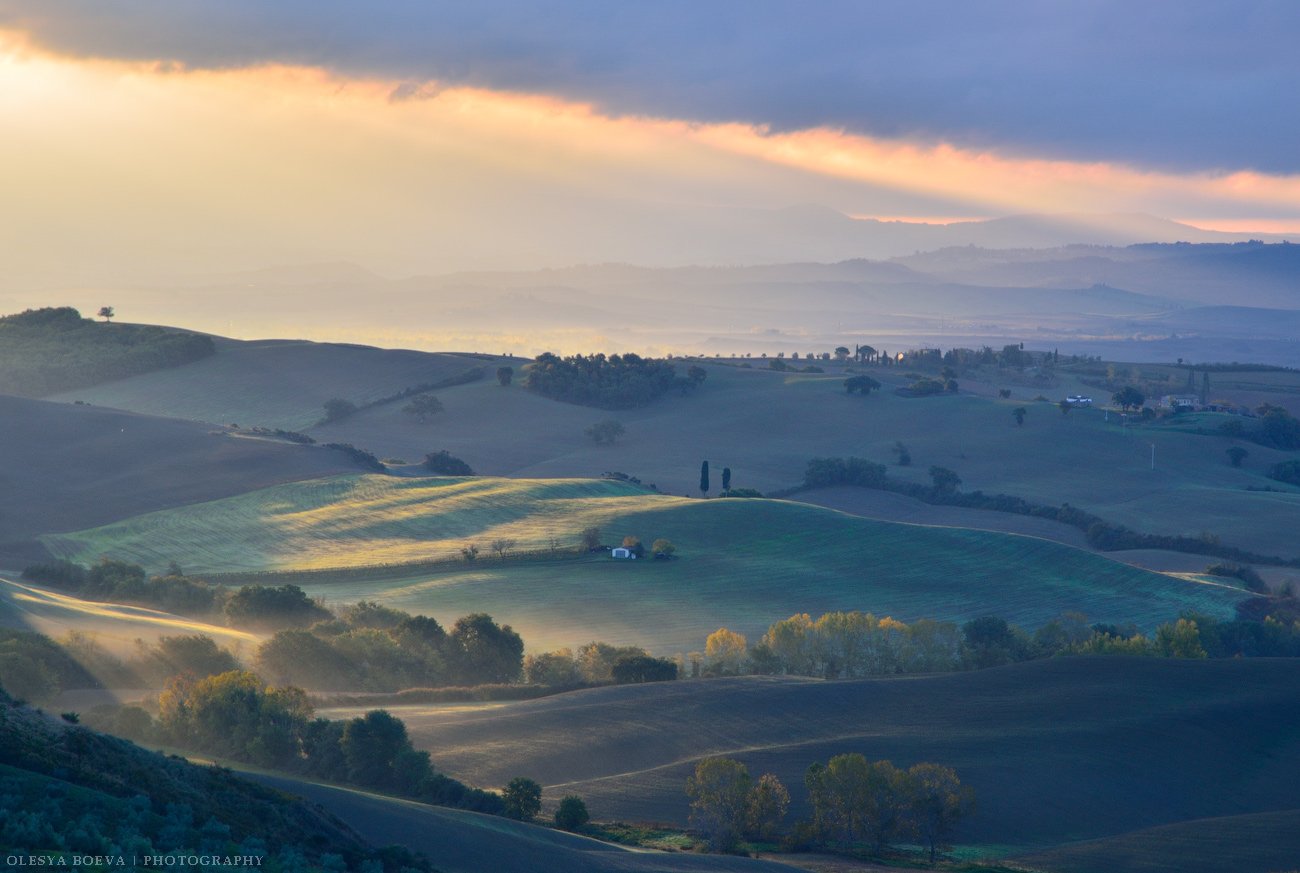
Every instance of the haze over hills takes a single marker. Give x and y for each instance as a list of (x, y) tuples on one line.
[(1087, 284)]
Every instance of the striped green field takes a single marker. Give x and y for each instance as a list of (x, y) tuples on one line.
[(741, 563)]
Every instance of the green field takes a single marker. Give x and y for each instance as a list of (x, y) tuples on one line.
[(766, 425), (742, 563), (1057, 751)]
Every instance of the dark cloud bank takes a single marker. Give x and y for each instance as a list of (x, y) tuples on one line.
[(1183, 85)]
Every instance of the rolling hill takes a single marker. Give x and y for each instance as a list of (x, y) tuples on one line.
[(1259, 843), (66, 467), (468, 842), (1057, 751), (29, 607), (741, 563), (277, 383)]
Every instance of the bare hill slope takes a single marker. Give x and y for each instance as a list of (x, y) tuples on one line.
[(276, 383)]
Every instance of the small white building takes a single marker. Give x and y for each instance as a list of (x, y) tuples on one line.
[(623, 554), (1178, 401)]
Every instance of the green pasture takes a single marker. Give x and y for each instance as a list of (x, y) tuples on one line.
[(741, 563)]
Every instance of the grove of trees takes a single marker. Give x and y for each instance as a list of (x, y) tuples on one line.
[(614, 382)]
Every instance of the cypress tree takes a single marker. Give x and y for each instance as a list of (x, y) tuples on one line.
[(704, 478)]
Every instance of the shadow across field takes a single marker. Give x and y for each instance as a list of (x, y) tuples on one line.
[(466, 842), (1058, 750)]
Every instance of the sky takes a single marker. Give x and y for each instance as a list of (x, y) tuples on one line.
[(149, 138)]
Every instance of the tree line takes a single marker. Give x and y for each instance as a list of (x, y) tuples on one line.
[(853, 801), (945, 491), (852, 645)]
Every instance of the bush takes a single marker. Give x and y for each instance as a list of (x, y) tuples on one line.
[(572, 813), (444, 463), (1286, 471), (361, 457)]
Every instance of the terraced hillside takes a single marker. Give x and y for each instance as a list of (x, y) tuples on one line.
[(1057, 751), (741, 563)]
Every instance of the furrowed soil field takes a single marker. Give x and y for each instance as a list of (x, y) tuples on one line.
[(1260, 843), (1058, 750), (457, 841), (741, 563)]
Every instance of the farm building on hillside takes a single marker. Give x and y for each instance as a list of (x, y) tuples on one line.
[(1178, 401), (623, 554)]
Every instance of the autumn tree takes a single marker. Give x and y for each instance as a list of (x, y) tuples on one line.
[(724, 652), (719, 793), (767, 805), (938, 801)]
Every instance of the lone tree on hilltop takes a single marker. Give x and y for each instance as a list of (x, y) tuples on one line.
[(106, 313), (704, 478), (603, 432), (504, 375), (1236, 454), (423, 407)]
